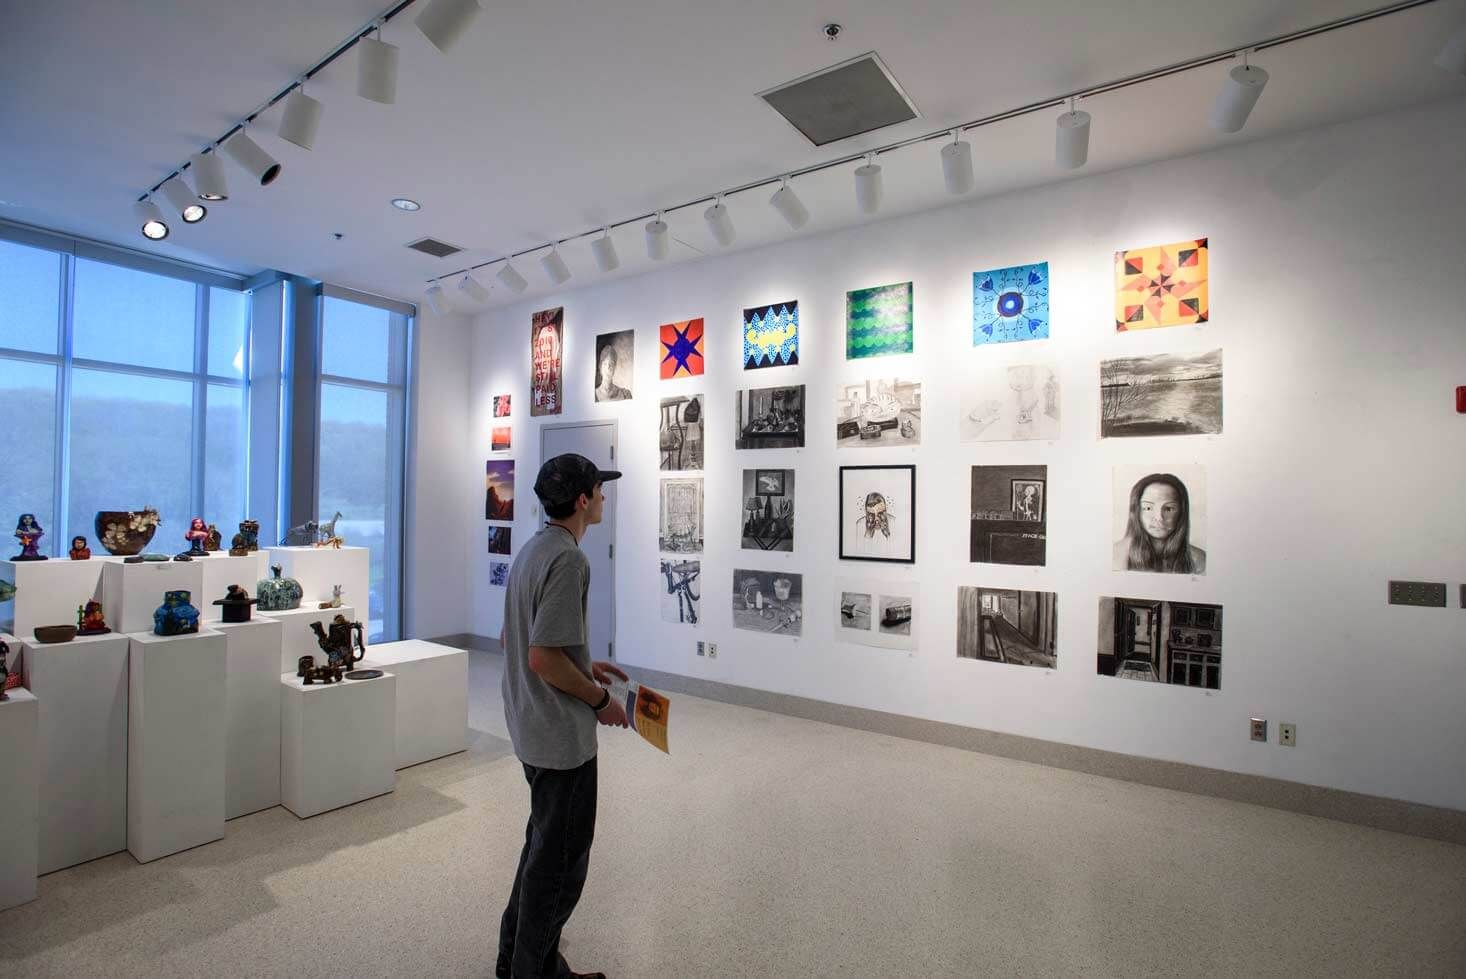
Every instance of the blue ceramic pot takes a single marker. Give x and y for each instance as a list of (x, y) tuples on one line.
[(175, 617)]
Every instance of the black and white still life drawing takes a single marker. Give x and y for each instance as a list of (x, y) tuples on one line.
[(1010, 515), (680, 436), (614, 353), (1156, 641), (768, 601), (770, 418), (1006, 625), (768, 509), (681, 590), (878, 513), (681, 527), (1010, 404), (880, 412), (876, 613), (1161, 394), (1160, 519)]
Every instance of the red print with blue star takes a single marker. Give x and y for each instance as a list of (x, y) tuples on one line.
[(682, 349)]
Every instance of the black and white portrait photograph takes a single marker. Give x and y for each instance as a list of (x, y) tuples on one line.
[(1010, 515), (1156, 641), (1161, 394), (770, 418), (614, 352), (1160, 519), (1006, 625), (884, 411), (878, 513), (1009, 404), (768, 509), (680, 530), (876, 613), (680, 436), (768, 601), (681, 590)]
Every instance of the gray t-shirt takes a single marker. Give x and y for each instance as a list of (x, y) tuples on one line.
[(544, 605)]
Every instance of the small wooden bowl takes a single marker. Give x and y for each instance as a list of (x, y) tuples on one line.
[(55, 633)]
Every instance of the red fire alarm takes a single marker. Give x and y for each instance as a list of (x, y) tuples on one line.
[(1461, 400)]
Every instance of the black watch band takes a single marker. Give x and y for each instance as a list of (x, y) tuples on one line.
[(605, 702)]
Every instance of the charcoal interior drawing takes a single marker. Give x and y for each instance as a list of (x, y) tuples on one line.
[(681, 530), (680, 435), (1158, 641), (1009, 515), (1009, 404), (1006, 625), (770, 418)]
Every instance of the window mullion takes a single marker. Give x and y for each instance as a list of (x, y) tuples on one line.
[(61, 485), (200, 396)]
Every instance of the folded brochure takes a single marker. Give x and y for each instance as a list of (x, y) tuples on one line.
[(645, 709)]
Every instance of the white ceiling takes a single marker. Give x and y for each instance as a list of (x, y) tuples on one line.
[(553, 116)]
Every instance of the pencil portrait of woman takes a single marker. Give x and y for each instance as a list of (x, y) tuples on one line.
[(1158, 529)]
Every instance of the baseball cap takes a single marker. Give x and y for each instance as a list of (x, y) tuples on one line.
[(565, 477)]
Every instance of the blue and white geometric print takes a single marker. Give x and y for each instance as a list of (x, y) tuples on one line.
[(1010, 304), (771, 335)]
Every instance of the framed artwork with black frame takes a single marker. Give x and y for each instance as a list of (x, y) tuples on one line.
[(877, 508)]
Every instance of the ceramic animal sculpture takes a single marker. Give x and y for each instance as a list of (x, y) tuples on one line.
[(301, 535), (307, 670), (335, 600), (215, 540), (247, 540), (326, 536), (338, 643)]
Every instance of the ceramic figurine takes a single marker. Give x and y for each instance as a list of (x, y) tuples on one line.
[(150, 556), (176, 616), (237, 604), (335, 600), (7, 590), (89, 620), (307, 670), (29, 533), (124, 532), (79, 549), (197, 533), (277, 594), (247, 541), (326, 536), (214, 541), (338, 643), (313, 534)]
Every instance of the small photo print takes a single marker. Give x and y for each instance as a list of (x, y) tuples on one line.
[(681, 590), (1010, 404), (876, 613), (499, 490), (680, 437), (1161, 394), (768, 509), (500, 440), (1156, 641), (681, 530), (768, 601), (1159, 521), (881, 412), (498, 573), (501, 406), (499, 540), (614, 352), (1005, 625)]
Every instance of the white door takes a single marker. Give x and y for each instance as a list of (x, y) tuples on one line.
[(597, 442)]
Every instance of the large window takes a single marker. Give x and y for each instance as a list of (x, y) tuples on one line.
[(360, 453), (121, 389)]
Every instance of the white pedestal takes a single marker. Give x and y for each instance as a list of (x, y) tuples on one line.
[(19, 719), (252, 729), (48, 592), (175, 743), (220, 571), (131, 593), (432, 697), (298, 640), (318, 568), (336, 743), (82, 687)]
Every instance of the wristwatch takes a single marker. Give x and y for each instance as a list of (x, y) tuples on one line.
[(605, 702)]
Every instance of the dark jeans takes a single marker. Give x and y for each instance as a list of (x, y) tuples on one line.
[(552, 868)]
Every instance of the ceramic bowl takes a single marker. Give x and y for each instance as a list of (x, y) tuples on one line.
[(55, 633), (125, 532)]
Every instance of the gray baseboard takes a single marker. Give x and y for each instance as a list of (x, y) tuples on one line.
[(1415, 819)]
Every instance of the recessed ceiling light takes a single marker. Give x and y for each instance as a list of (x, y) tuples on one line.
[(406, 204)]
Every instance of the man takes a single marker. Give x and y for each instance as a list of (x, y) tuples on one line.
[(552, 703)]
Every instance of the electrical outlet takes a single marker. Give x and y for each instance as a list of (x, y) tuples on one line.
[(1426, 594), (712, 650), (1259, 729), (1287, 735), (701, 648)]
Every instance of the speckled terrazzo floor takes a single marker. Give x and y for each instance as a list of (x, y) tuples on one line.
[(771, 846)]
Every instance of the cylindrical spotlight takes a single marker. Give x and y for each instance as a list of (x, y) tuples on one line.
[(1071, 139), (256, 162), (150, 220), (474, 288), (301, 119), (444, 21), (511, 278), (957, 165), (1238, 95), (720, 222), (658, 241), (208, 176), (184, 201), (376, 70), (555, 266), (604, 249), (868, 185), (1453, 55), (789, 206), (436, 299)]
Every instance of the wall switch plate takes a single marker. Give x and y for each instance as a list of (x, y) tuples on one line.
[(1427, 594), (1287, 735), (701, 648), (1259, 729), (712, 650), (1463, 596)]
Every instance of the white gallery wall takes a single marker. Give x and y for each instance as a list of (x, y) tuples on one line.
[(1337, 290)]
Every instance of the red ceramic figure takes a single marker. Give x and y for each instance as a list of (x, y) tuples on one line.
[(79, 549)]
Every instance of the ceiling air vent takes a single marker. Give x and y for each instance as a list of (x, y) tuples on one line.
[(434, 247), (853, 97)]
